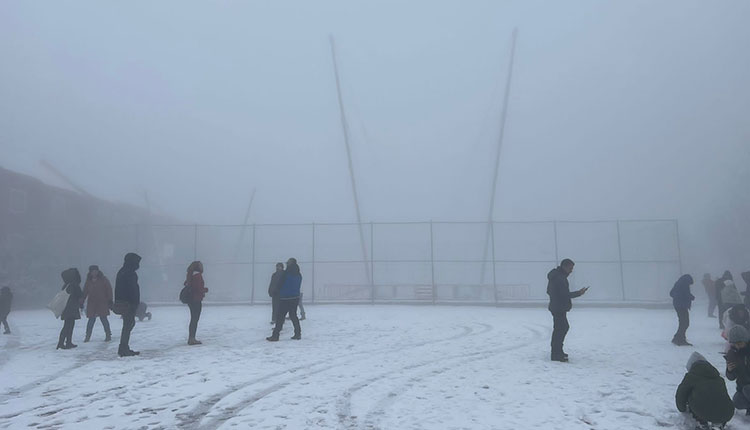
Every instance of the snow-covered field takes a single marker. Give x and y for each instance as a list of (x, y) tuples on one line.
[(357, 367)]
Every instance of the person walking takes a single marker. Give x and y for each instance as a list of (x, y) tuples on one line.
[(703, 393), (560, 304), (6, 298), (710, 287), (98, 290), (72, 285), (198, 290), (127, 296), (273, 290), (682, 300), (738, 366), (288, 300)]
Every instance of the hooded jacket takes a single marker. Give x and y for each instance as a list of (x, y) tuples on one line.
[(558, 291), (703, 391), (680, 293), (126, 284), (72, 286), (741, 373)]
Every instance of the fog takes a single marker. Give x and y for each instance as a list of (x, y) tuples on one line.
[(617, 110)]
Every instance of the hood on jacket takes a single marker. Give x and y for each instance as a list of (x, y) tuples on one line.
[(685, 280), (727, 275), (70, 276), (695, 357), (557, 271), (132, 261)]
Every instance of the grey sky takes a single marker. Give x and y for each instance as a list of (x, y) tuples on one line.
[(632, 109)]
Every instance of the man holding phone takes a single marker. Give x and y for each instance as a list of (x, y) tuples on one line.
[(738, 366), (560, 304)]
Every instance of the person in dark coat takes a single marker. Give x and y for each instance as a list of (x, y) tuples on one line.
[(6, 298), (128, 293), (560, 304), (703, 393), (746, 293), (710, 287), (738, 366), (72, 285), (273, 290), (198, 290), (289, 294), (682, 300), (98, 290)]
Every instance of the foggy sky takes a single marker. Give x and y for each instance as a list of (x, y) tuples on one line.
[(622, 109)]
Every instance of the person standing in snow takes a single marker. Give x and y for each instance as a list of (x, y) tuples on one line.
[(682, 300), (738, 366), (288, 300), (273, 290), (703, 393), (98, 290), (6, 298), (128, 293), (560, 304), (726, 295), (710, 287), (198, 290), (72, 279)]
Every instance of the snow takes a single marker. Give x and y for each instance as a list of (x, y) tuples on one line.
[(357, 367)]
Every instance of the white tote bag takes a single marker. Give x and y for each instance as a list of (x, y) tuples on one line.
[(57, 305)]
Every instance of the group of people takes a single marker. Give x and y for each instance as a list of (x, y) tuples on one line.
[(284, 289), (703, 391)]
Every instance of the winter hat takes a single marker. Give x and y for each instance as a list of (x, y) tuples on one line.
[(738, 334), (694, 358)]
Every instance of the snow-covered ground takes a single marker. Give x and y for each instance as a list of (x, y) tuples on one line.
[(357, 367)]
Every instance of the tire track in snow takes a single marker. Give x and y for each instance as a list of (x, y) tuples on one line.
[(349, 422), (188, 420)]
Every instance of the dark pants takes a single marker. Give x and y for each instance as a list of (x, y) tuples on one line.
[(4, 320), (741, 398), (683, 318), (195, 315), (92, 321), (274, 308), (128, 322), (66, 334), (287, 306), (560, 329)]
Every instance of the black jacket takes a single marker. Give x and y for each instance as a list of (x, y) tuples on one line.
[(6, 298), (680, 293), (72, 286), (126, 284), (558, 291), (741, 373), (275, 285), (703, 390)]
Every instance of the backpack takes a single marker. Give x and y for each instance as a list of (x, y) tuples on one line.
[(186, 293)]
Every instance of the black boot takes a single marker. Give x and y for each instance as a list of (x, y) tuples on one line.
[(108, 338), (297, 336), (273, 338), (88, 338)]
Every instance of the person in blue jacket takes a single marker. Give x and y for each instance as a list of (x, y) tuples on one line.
[(289, 294), (682, 300)]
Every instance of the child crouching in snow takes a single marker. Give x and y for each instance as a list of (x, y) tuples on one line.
[(703, 393)]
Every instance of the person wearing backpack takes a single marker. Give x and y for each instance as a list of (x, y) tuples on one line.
[(198, 290), (72, 285), (682, 300), (288, 300), (703, 393)]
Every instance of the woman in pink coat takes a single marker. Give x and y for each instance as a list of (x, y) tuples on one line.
[(98, 290)]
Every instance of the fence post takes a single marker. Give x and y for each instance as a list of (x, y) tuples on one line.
[(622, 272), (313, 263), (252, 285), (494, 272), (195, 242), (372, 262), (432, 264), (137, 239)]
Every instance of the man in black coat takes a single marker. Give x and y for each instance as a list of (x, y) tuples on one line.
[(273, 290), (127, 291), (560, 303)]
